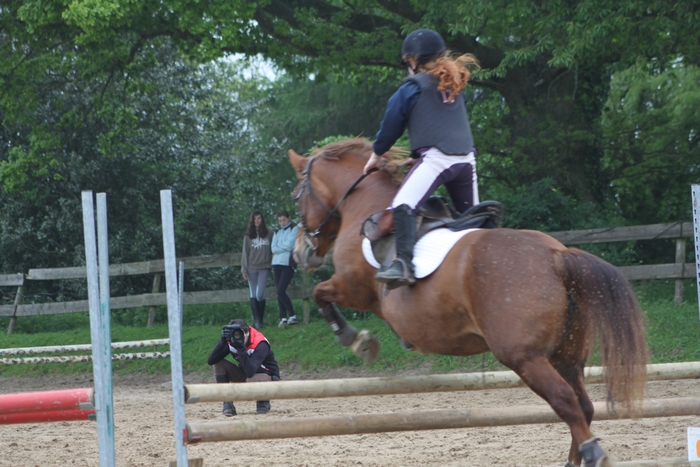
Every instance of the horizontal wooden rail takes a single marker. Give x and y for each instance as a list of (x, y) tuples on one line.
[(11, 280), (145, 300), (145, 267), (414, 421), (659, 271), (351, 387), (624, 234)]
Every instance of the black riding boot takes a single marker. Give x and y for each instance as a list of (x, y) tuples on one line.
[(254, 308), (262, 407), (229, 408), (261, 313), (400, 272)]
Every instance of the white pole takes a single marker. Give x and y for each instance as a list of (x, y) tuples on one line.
[(696, 231), (103, 438), (105, 319), (174, 326)]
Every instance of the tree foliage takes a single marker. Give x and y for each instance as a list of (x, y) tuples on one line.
[(588, 101)]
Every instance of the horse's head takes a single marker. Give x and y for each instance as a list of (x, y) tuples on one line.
[(319, 225), (326, 179)]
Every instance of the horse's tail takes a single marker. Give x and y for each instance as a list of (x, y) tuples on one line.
[(610, 310)]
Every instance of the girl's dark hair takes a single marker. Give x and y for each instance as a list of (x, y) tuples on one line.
[(243, 324), (283, 212), (261, 231)]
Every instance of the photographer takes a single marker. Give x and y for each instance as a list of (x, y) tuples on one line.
[(256, 361)]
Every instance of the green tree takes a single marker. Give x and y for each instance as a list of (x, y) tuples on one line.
[(162, 123), (651, 128), (546, 72)]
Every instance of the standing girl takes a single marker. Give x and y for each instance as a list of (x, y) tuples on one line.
[(282, 265), (256, 264), (431, 105)]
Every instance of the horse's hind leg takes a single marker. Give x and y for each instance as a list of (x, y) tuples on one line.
[(574, 376), (539, 374)]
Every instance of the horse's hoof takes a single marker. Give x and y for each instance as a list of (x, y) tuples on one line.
[(366, 346), (593, 455)]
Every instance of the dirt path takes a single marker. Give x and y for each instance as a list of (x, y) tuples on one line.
[(144, 431)]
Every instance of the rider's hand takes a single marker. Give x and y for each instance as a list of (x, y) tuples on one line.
[(374, 162)]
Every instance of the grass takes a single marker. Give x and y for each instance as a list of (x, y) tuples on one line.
[(673, 335)]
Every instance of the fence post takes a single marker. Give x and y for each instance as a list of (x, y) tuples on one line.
[(307, 305), (18, 301), (152, 310), (680, 259)]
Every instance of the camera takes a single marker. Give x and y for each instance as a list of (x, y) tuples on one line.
[(236, 333)]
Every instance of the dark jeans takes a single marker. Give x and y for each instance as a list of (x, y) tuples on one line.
[(283, 276), (235, 374)]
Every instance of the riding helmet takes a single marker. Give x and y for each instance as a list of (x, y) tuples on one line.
[(423, 44)]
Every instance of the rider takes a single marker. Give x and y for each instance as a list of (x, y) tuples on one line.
[(431, 104)]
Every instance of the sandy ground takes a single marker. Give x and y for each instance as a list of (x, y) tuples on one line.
[(144, 431)]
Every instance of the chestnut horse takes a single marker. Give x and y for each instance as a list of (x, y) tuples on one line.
[(520, 294)]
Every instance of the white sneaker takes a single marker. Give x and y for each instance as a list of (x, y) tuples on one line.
[(282, 323), (293, 320)]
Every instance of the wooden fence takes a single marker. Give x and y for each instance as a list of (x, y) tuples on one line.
[(679, 270)]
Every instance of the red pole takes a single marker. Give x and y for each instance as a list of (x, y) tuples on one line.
[(52, 416), (48, 401)]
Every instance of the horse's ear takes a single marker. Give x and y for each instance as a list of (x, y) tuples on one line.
[(297, 161)]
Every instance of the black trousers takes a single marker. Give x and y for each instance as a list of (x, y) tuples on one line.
[(283, 276)]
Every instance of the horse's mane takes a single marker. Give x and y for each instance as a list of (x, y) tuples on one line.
[(362, 147)]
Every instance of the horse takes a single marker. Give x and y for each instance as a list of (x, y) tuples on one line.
[(536, 304)]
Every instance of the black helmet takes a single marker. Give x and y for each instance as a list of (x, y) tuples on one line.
[(423, 44)]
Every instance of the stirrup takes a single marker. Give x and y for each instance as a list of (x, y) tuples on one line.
[(394, 279)]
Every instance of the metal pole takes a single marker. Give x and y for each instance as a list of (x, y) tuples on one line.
[(103, 439), (105, 319), (174, 326), (181, 289), (696, 231)]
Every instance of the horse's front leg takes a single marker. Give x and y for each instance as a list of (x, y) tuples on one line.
[(362, 343)]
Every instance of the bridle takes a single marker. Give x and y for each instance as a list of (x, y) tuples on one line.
[(307, 190)]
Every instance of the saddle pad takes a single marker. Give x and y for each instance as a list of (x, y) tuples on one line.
[(429, 251)]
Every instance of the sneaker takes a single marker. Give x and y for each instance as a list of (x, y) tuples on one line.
[(293, 320), (282, 323), (229, 409), (262, 407)]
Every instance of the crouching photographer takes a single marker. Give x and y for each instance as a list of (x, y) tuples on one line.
[(252, 351)]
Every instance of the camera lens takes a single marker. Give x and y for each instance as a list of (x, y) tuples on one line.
[(238, 334)]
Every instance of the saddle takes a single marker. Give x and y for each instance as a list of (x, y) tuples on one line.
[(434, 214)]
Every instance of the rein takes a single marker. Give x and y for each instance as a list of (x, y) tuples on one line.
[(306, 187)]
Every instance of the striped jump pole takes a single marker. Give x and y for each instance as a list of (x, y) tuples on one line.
[(418, 421), (47, 406), (81, 347), (82, 358), (401, 385)]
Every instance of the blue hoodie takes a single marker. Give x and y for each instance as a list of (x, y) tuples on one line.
[(283, 243)]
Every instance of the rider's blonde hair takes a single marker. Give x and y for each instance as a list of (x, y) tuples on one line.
[(452, 74)]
